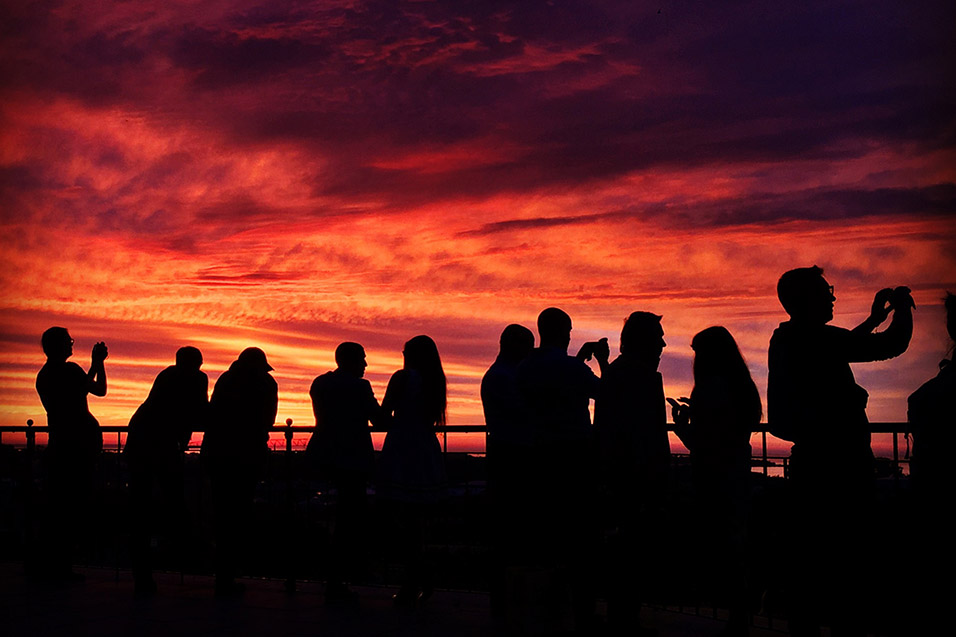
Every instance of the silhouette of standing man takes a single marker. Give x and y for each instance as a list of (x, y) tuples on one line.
[(74, 444), (341, 451), (814, 401), (630, 424), (235, 448), (557, 389), (159, 433)]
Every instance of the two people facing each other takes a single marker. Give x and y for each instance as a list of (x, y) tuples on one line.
[(410, 477)]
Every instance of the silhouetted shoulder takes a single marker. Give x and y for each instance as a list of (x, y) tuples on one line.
[(553, 368), (62, 388), (934, 401), (337, 380)]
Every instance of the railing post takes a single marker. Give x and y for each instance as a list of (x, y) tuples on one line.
[(290, 505), (31, 439), (119, 487), (28, 500), (896, 459), (763, 436)]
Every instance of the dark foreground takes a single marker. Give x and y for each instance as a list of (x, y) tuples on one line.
[(104, 605)]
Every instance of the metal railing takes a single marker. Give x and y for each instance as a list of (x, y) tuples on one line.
[(762, 457)]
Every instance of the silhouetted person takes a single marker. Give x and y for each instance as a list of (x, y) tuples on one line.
[(341, 451), (715, 424), (630, 424), (814, 401), (235, 449), (412, 477), (74, 444), (509, 445), (159, 433), (932, 412), (557, 388)]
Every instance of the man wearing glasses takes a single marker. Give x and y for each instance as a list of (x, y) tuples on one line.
[(814, 401), (74, 444)]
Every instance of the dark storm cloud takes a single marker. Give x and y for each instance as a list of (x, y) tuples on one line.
[(546, 222), (222, 59), (816, 204), (583, 92), (825, 204)]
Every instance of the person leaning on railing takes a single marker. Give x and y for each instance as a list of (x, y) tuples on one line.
[(235, 449)]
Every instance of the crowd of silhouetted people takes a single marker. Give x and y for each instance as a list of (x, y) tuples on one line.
[(560, 486)]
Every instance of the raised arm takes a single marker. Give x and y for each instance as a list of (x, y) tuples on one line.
[(681, 413), (96, 377), (864, 345)]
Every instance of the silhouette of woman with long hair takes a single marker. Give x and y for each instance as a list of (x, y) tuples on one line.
[(715, 424), (412, 471)]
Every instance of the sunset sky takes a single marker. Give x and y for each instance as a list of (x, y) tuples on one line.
[(294, 174)]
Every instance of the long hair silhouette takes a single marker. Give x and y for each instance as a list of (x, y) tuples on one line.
[(716, 355), (421, 355)]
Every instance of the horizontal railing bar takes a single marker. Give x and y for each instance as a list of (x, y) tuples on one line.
[(875, 427)]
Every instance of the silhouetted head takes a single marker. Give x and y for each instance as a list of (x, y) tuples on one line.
[(57, 343), (806, 295), (642, 338), (252, 359), (716, 355), (516, 342), (950, 304), (188, 358), (350, 357), (715, 352), (421, 355), (554, 328)]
